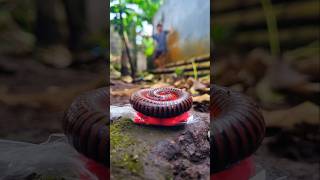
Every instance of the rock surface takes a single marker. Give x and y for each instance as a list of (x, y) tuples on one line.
[(151, 152)]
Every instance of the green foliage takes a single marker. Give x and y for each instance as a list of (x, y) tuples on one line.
[(133, 13), (117, 66), (149, 46), (149, 7), (120, 142), (195, 70), (142, 74), (221, 34), (24, 13), (178, 71), (272, 27), (128, 17)]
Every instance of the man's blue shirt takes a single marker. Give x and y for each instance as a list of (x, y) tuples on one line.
[(161, 39)]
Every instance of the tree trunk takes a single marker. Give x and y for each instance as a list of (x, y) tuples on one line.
[(135, 48), (126, 46), (124, 60)]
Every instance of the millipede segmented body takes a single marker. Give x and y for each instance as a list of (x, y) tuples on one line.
[(161, 102), (237, 128), (85, 125)]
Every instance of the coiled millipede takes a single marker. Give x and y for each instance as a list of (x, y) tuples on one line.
[(162, 106), (86, 125), (237, 128), (161, 102)]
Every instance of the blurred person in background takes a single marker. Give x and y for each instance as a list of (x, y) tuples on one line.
[(161, 42), (52, 48)]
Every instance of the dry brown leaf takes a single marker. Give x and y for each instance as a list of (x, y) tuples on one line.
[(307, 88), (201, 98), (190, 81), (125, 92), (205, 80), (149, 77), (193, 91), (267, 95), (306, 112), (127, 79), (181, 84), (282, 76), (198, 85), (161, 84), (309, 66)]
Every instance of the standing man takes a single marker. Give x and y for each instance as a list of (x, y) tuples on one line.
[(161, 39)]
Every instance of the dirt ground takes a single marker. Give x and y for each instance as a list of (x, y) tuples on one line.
[(33, 97)]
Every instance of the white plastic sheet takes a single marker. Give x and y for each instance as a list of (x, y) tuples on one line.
[(54, 158)]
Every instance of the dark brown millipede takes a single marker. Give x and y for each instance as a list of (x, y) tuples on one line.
[(161, 102), (85, 125), (236, 130)]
